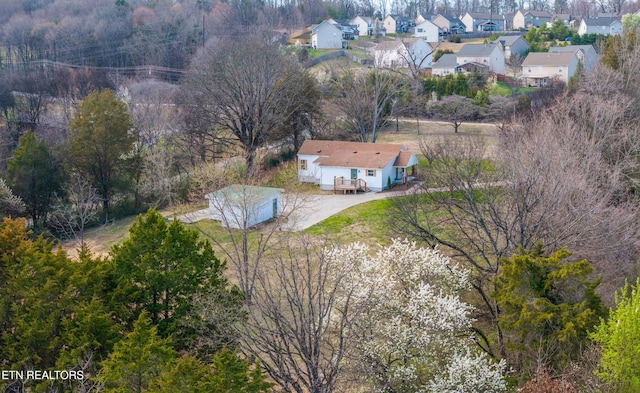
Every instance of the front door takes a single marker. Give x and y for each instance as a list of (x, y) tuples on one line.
[(354, 174)]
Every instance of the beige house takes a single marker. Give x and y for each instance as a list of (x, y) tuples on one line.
[(542, 68), (528, 19)]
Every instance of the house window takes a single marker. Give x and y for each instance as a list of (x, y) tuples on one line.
[(529, 69), (303, 165), (371, 172), (420, 30), (560, 69)]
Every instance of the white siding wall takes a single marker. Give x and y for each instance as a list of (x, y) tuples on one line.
[(428, 31), (234, 216), (312, 173), (327, 36)]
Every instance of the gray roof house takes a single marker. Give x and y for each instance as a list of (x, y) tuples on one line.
[(479, 21), (445, 65), (606, 26), (512, 45), (449, 24), (527, 19), (586, 54), (541, 69), (487, 55)]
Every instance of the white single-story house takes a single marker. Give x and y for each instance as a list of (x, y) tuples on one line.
[(242, 206), (367, 166)]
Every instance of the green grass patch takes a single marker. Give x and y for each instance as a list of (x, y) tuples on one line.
[(366, 223), (500, 88)]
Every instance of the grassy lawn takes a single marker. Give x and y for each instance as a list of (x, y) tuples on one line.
[(365, 223)]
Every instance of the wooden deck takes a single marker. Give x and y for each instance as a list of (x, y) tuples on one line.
[(344, 185)]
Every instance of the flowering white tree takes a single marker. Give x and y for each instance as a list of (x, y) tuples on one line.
[(413, 328)]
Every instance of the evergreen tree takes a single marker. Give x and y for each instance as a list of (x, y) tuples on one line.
[(35, 176), (548, 305), (162, 266), (136, 360), (619, 337), (101, 144)]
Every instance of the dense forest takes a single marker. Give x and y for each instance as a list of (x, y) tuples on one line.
[(518, 273)]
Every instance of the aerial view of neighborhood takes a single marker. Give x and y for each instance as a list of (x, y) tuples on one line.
[(319, 196)]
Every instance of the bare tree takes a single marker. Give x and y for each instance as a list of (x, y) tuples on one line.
[(454, 109), (553, 181), (365, 97), (71, 217), (296, 325), (247, 86)]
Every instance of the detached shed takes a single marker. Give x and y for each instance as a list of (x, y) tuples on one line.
[(240, 206)]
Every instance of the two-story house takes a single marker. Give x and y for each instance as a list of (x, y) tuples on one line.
[(326, 35), (528, 19), (585, 53), (512, 45), (606, 26), (542, 68), (428, 31), (489, 56), (449, 24), (478, 21), (397, 24), (408, 52)]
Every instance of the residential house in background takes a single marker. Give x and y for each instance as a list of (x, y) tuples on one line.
[(427, 30), (488, 56), (542, 68), (341, 166), (585, 53), (528, 19), (422, 17), (364, 24), (606, 26), (512, 45), (326, 35), (565, 18), (402, 53), (508, 20), (449, 24), (349, 31), (477, 21), (397, 24), (445, 65)]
